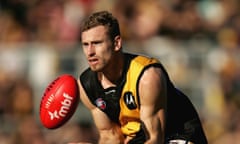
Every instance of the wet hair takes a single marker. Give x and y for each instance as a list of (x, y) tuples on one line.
[(102, 18)]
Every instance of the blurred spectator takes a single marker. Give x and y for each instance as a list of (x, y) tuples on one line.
[(123, 10), (139, 19), (6, 86), (58, 21), (146, 20), (11, 31), (73, 132), (219, 15), (28, 132), (5, 138), (22, 99), (181, 18), (232, 131), (19, 103), (18, 99), (44, 19), (222, 99), (230, 84)]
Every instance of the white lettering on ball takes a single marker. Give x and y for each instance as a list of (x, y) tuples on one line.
[(66, 103), (49, 101)]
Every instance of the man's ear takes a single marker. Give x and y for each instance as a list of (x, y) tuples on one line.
[(117, 43)]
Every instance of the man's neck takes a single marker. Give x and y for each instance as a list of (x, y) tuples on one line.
[(112, 75)]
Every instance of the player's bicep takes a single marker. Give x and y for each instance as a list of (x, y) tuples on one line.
[(109, 132), (100, 118), (152, 92)]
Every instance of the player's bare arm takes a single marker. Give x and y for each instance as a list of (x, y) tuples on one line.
[(152, 91), (109, 132)]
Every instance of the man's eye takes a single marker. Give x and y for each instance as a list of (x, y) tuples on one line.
[(96, 43), (84, 44)]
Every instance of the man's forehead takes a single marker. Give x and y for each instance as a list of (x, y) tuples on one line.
[(94, 29)]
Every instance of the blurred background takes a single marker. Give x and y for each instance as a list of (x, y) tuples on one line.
[(198, 41)]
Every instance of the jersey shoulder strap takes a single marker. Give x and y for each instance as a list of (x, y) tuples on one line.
[(129, 102), (136, 69), (88, 81)]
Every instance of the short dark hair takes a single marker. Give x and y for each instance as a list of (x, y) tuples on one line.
[(103, 18)]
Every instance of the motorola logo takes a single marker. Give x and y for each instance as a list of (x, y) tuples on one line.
[(130, 100)]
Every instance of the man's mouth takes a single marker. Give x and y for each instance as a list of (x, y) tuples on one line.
[(92, 61)]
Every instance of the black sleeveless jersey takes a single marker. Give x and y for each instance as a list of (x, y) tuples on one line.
[(122, 105)]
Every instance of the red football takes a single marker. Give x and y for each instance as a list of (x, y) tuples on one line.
[(59, 101)]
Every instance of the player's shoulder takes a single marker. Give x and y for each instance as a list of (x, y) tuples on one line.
[(87, 73), (152, 74), (142, 59)]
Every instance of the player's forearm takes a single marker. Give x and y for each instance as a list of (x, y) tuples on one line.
[(111, 136), (110, 140), (154, 128)]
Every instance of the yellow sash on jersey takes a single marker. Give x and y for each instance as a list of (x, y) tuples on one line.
[(130, 118)]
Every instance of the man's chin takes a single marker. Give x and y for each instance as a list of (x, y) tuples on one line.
[(94, 69)]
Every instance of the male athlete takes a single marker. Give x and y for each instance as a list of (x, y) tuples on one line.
[(131, 97)]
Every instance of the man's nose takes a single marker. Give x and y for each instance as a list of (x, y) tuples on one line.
[(90, 50)]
